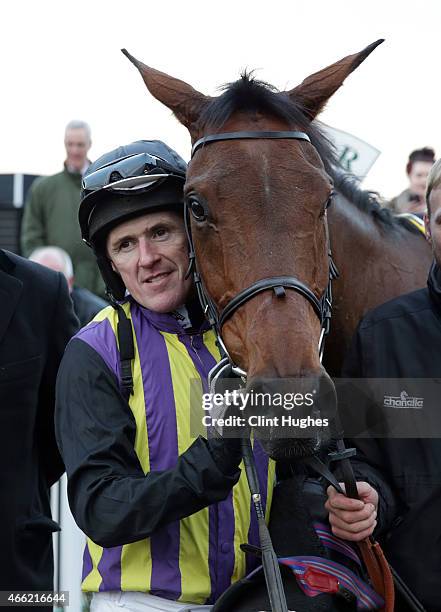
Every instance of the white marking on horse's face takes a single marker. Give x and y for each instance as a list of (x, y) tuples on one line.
[(266, 175)]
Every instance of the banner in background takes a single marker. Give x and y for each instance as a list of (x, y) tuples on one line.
[(355, 155)]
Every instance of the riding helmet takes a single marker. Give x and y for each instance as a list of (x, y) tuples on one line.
[(131, 180)]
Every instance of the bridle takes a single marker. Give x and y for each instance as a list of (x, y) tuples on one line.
[(322, 307)]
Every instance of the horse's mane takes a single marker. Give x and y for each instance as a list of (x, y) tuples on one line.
[(365, 200), (368, 201), (251, 94)]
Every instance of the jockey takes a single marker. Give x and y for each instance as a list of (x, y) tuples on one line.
[(165, 510)]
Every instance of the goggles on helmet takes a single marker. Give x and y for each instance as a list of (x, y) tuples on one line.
[(135, 172)]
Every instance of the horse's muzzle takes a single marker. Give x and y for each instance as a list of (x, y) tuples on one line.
[(292, 417)]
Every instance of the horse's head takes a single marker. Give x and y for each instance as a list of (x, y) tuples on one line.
[(258, 210)]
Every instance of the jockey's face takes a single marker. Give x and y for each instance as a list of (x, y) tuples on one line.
[(433, 223), (150, 253)]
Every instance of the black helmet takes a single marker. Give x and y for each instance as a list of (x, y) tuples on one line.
[(114, 183), (127, 182)]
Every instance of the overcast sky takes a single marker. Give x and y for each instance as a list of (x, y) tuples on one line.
[(61, 61)]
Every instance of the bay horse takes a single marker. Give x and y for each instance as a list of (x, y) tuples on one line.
[(258, 188), (259, 210)]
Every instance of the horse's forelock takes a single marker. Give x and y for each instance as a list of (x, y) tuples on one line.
[(249, 94)]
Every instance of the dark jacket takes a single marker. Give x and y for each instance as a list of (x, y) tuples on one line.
[(36, 322), (402, 340), (86, 304)]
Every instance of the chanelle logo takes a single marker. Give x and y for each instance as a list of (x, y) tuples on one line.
[(404, 400)]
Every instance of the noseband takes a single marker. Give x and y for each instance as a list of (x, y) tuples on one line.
[(322, 307)]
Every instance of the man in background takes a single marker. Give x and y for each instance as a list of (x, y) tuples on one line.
[(86, 304), (36, 323), (51, 210)]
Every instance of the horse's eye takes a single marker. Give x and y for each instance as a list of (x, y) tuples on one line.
[(197, 209), (329, 200)]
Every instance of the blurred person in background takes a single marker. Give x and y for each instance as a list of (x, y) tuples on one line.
[(86, 304), (413, 200), (36, 323), (51, 210), (399, 476)]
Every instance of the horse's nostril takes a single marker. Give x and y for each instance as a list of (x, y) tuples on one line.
[(293, 415)]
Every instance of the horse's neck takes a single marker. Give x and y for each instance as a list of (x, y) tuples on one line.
[(364, 246), (376, 263)]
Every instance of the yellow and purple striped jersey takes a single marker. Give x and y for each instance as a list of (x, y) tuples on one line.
[(198, 557)]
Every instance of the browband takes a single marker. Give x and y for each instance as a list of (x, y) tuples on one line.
[(247, 135)]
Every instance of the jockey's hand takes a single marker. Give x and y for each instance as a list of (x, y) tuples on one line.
[(353, 519), (227, 453)]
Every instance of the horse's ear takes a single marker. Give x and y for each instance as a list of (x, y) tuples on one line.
[(316, 89), (185, 102)]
